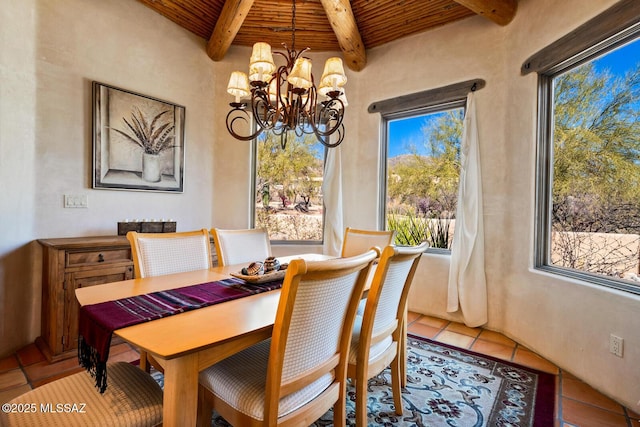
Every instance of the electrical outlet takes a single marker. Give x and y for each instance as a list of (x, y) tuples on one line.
[(616, 345)]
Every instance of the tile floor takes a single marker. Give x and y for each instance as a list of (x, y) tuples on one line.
[(577, 404)]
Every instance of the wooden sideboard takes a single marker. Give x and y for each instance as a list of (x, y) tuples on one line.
[(69, 264)]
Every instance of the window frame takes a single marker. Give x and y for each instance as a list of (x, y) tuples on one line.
[(384, 150), (407, 104), (584, 45), (252, 198)]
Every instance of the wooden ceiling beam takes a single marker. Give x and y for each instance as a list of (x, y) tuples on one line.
[(229, 22), (499, 11), (344, 25)]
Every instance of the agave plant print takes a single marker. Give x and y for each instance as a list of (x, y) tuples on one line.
[(138, 141)]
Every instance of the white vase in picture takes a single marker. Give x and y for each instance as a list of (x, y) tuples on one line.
[(151, 167)]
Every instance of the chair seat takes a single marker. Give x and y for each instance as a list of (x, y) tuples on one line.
[(132, 399), (376, 349), (240, 381)]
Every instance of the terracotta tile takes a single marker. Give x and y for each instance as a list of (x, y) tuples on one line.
[(455, 339), (12, 378), (121, 348), (462, 329), (125, 356), (412, 316), (434, 322), (493, 349), (580, 391), (42, 370), (567, 374), (532, 360), (422, 330), (29, 355), (496, 337), (12, 393), (9, 363), (584, 415)]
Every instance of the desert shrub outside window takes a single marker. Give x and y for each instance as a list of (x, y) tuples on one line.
[(589, 189), (287, 199), (422, 174)]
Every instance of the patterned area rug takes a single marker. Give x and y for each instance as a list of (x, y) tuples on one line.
[(452, 387)]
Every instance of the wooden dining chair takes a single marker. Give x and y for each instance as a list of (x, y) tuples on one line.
[(300, 372), (378, 336), (358, 241), (241, 246), (157, 254), (132, 399)]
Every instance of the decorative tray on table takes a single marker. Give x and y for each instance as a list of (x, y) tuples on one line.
[(261, 278)]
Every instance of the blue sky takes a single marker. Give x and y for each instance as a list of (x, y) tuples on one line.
[(406, 132), (409, 131), (620, 60)]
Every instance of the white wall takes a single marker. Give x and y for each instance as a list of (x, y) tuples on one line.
[(566, 321), (50, 52)]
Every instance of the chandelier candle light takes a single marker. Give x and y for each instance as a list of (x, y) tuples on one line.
[(285, 99)]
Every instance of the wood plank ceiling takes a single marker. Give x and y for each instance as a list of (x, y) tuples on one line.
[(322, 25)]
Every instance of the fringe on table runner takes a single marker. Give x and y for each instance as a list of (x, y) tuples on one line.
[(89, 359)]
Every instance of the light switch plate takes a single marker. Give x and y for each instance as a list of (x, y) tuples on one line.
[(76, 201)]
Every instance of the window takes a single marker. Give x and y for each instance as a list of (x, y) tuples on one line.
[(422, 173), (287, 198), (589, 166)]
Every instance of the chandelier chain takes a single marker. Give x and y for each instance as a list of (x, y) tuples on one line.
[(293, 26)]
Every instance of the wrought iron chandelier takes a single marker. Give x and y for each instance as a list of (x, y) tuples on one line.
[(285, 99)]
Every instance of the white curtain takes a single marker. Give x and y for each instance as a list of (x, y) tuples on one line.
[(332, 194), (467, 281)]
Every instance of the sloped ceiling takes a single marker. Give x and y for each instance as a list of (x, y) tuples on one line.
[(322, 25)]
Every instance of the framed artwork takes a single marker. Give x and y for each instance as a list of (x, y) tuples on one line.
[(138, 141)]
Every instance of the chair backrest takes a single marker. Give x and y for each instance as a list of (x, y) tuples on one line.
[(241, 246), (387, 297), (157, 254), (312, 330), (359, 241)]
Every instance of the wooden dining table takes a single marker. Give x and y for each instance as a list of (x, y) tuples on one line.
[(187, 343)]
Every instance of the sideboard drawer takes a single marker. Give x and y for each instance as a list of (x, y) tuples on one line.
[(103, 256)]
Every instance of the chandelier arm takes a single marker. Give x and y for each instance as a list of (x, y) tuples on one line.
[(264, 113), (232, 120), (329, 113), (324, 138)]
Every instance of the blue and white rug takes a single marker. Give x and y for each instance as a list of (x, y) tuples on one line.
[(452, 387)]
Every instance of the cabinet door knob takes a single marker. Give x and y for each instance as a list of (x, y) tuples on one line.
[(100, 258)]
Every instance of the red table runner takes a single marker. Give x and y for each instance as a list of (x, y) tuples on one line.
[(98, 321)]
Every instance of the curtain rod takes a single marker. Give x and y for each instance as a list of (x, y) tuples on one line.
[(427, 98), (600, 29)]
